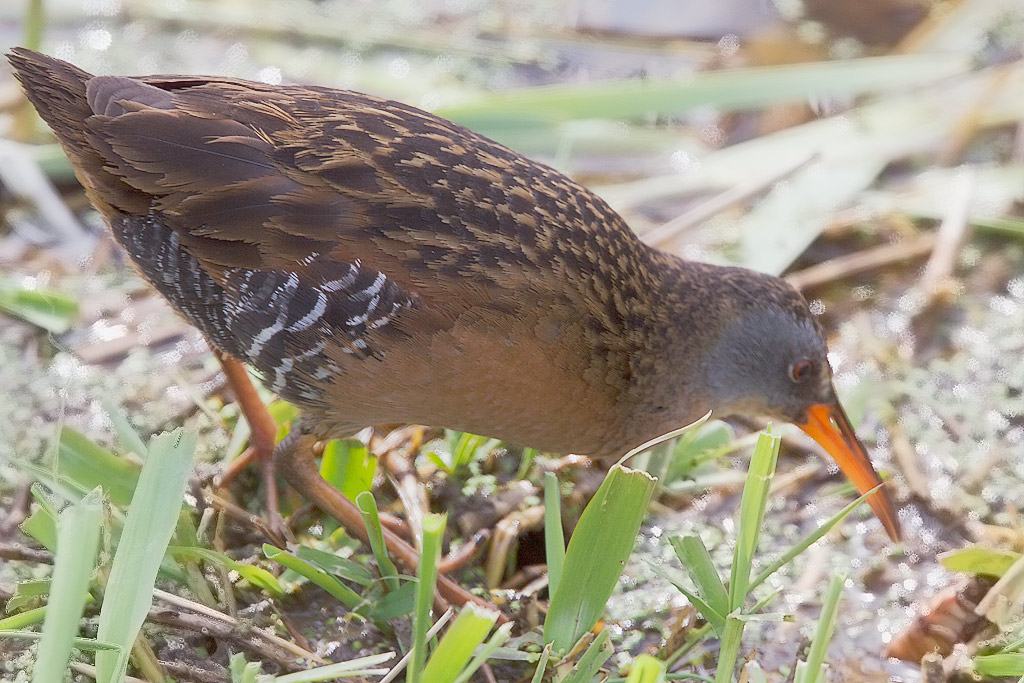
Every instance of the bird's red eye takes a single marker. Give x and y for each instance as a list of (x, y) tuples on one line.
[(801, 370)]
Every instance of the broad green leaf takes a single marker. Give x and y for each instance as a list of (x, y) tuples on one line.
[(349, 466), (976, 559), (597, 553)]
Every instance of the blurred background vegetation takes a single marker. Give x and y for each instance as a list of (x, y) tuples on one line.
[(871, 151)]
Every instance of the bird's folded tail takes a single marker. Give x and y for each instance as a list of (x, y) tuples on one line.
[(58, 92), (68, 99)]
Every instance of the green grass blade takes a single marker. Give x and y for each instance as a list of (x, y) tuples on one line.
[(976, 559), (554, 536), (88, 644), (752, 508), (597, 553), (732, 637), (148, 527), (732, 89), (1006, 664), (90, 465), (23, 620), (807, 541), (349, 466), (433, 534), (354, 667), (368, 507), (52, 311), (466, 633), (714, 618), (317, 575), (126, 434), (42, 523), (542, 664), (26, 593), (484, 653), (646, 669), (697, 561), (243, 671), (596, 655), (337, 565), (78, 536), (823, 632), (257, 576)]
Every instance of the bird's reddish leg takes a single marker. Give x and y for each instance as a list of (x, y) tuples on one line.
[(263, 433), (294, 460)]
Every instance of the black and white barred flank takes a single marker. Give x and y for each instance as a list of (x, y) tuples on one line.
[(275, 320)]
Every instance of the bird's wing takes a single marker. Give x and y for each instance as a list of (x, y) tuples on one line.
[(269, 178)]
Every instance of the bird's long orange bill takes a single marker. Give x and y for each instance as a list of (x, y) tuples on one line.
[(828, 425)]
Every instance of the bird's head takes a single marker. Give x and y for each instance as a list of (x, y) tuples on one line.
[(769, 359)]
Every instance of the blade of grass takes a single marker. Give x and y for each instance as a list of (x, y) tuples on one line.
[(977, 559), (78, 535), (466, 633), (24, 619), (52, 311), (554, 536), (542, 664), (433, 533), (42, 523), (90, 465), (714, 618), (404, 661), (243, 671), (351, 668), (596, 655), (695, 558), (823, 632), (88, 644), (368, 507), (149, 524), (349, 466), (807, 541), (257, 576), (597, 554), (484, 653), (646, 669), (337, 565), (1006, 664), (732, 89), (126, 434), (752, 508), (318, 576)]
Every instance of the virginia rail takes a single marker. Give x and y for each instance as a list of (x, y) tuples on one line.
[(378, 264)]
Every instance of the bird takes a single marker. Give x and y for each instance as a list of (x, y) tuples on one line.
[(376, 263)]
